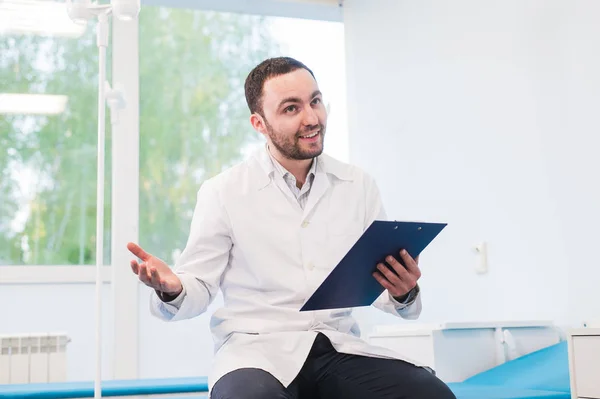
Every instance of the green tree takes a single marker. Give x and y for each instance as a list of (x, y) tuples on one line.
[(193, 123), (49, 162)]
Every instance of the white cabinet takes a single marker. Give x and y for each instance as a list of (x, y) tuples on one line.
[(584, 362), (457, 351)]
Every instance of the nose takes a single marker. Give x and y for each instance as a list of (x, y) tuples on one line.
[(310, 117)]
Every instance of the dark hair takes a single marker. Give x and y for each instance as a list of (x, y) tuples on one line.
[(267, 69)]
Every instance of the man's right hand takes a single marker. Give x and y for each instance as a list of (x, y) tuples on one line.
[(154, 272)]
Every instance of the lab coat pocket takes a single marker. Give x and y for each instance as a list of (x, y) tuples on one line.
[(345, 227), (341, 237)]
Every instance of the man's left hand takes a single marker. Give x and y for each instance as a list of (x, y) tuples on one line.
[(404, 280)]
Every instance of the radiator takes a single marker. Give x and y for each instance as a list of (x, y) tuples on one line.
[(31, 358)]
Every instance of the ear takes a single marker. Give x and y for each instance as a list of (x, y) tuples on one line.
[(258, 123)]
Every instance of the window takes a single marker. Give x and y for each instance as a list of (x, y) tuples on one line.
[(48, 137)]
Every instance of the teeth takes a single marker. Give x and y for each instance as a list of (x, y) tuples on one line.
[(310, 136)]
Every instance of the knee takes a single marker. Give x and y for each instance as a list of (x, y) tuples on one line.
[(248, 384), (429, 386), (440, 392)]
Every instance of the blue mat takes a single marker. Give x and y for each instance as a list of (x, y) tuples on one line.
[(109, 388), (541, 374), (466, 391)]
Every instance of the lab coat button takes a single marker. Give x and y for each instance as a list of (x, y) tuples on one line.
[(304, 224), (310, 266)]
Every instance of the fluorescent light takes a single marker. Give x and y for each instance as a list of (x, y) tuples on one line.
[(32, 104), (37, 17)]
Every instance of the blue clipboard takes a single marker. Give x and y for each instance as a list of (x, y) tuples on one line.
[(351, 282)]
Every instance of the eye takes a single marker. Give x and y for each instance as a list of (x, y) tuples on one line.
[(316, 101), (289, 109)]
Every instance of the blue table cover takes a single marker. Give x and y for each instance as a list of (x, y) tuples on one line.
[(540, 374), (109, 388)]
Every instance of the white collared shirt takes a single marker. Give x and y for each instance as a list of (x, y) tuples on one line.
[(251, 238), (300, 193)]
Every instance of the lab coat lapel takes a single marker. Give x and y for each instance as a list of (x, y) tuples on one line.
[(285, 190), (318, 190), (265, 175)]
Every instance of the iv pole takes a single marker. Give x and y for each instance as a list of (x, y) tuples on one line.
[(80, 11)]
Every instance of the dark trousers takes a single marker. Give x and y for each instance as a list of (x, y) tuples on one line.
[(328, 374)]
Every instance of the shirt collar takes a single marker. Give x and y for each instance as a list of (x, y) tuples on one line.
[(324, 164), (279, 168)]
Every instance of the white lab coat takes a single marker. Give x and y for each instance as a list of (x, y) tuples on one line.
[(250, 238)]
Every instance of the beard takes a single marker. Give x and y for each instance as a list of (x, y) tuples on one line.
[(293, 147)]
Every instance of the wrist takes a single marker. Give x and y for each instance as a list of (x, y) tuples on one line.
[(170, 296), (402, 298), (409, 296)]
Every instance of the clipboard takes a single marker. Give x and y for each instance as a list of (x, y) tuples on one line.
[(351, 282)]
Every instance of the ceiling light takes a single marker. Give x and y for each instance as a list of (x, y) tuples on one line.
[(32, 104), (39, 17)]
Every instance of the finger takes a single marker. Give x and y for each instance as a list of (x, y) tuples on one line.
[(154, 278), (135, 266), (395, 285), (138, 251), (143, 275), (392, 290), (388, 274), (410, 263), (384, 282), (398, 268)]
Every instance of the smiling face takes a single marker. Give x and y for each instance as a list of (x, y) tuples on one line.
[(293, 117)]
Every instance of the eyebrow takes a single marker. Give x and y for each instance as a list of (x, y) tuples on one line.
[(297, 99)]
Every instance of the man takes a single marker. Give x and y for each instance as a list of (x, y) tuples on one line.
[(266, 233)]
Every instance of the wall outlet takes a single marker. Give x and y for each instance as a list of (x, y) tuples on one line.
[(481, 251)]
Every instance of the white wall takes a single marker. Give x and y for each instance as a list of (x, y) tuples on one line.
[(63, 308), (174, 349), (482, 114), (574, 161), (69, 308)]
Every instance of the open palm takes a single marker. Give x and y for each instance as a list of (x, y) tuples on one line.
[(153, 272)]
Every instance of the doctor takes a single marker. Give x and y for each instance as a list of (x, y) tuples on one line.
[(266, 233)]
